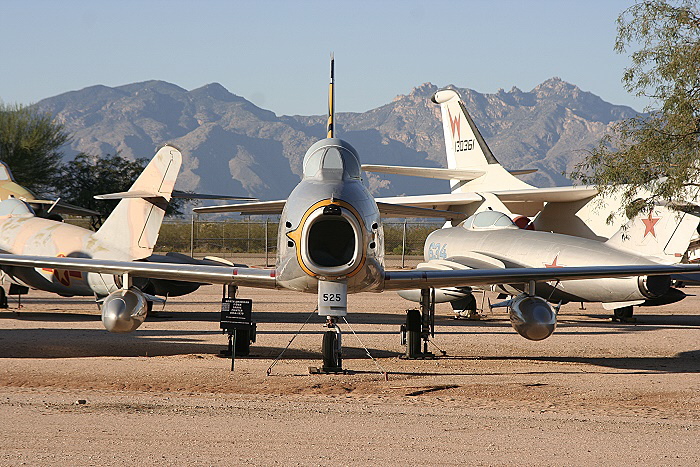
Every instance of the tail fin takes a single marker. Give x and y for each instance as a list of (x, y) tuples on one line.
[(663, 235), (132, 228), (467, 149), (331, 102)]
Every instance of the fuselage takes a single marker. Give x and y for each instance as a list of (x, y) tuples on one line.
[(512, 247), (22, 233), (330, 228)]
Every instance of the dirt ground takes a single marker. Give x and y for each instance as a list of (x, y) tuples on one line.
[(593, 393)]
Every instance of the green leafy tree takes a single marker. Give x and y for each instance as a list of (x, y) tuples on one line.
[(86, 176), (30, 143), (654, 156)]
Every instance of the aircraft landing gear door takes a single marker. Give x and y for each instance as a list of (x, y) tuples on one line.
[(237, 321), (333, 304)]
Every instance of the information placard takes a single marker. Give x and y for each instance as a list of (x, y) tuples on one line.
[(236, 313)]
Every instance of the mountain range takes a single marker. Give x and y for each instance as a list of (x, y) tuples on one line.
[(231, 146)]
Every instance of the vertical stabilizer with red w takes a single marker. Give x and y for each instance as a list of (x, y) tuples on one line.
[(467, 149)]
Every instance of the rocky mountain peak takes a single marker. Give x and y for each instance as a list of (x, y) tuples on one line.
[(215, 91), (231, 146)]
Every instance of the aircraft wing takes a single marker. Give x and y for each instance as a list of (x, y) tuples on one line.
[(393, 280), (539, 195), (243, 276), (416, 279)]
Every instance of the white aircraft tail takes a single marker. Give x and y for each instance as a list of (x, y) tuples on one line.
[(663, 235), (133, 226), (467, 149)]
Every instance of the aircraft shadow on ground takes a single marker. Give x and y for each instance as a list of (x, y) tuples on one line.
[(684, 362), (68, 343), (77, 343), (73, 343)]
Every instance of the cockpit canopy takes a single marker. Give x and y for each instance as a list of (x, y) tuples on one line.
[(489, 220), (16, 208), (332, 159), (5, 173)]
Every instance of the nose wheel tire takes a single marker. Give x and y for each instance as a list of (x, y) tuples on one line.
[(330, 348)]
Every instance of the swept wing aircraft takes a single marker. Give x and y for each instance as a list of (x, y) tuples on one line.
[(128, 234), (490, 239), (479, 182), (330, 243)]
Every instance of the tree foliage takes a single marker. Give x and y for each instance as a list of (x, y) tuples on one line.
[(86, 176), (29, 143), (655, 156)]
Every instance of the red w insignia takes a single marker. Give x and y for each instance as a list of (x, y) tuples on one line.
[(454, 123)]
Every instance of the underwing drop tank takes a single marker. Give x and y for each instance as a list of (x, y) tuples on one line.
[(532, 317), (124, 310)]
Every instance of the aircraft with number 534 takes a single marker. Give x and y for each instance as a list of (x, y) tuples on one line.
[(330, 243)]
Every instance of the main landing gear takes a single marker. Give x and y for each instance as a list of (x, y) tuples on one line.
[(624, 315), (466, 308), (420, 327)]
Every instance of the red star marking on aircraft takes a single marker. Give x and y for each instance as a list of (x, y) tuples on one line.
[(649, 224), (554, 263)]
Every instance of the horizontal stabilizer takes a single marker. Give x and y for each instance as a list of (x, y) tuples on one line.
[(431, 172), (399, 210), (261, 207), (426, 172), (522, 171), (433, 201), (185, 195), (130, 194), (557, 194), (386, 209), (64, 208), (175, 194)]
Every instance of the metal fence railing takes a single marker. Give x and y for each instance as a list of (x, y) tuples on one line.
[(403, 241), (229, 238)]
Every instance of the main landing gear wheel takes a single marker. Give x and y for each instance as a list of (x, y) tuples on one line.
[(624, 314), (419, 326), (465, 308), (413, 333)]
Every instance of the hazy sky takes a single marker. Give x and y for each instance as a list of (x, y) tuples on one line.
[(275, 53)]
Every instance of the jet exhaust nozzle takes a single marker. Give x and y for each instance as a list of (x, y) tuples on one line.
[(532, 317), (124, 310)]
